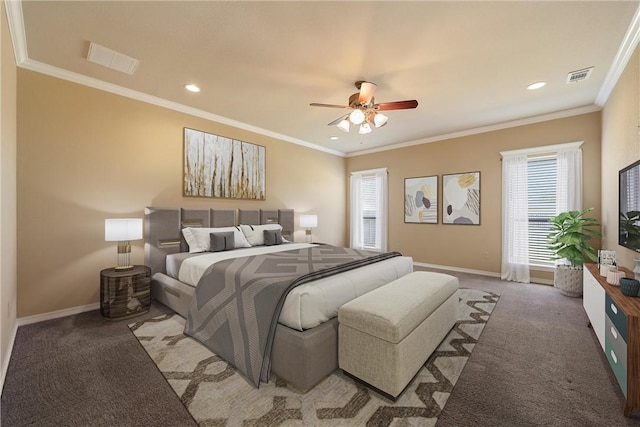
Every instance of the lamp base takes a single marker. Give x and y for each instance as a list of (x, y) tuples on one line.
[(124, 256), (308, 233)]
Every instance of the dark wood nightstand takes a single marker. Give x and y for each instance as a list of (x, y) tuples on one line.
[(125, 293)]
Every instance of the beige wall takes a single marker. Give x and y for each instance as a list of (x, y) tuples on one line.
[(620, 148), (85, 155), (8, 274), (475, 247)]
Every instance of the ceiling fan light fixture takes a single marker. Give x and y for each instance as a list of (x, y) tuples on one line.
[(356, 116), (365, 128), (379, 119), (344, 125)]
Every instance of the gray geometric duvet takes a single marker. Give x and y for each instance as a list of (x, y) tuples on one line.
[(238, 301)]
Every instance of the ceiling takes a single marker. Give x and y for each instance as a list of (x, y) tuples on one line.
[(259, 64)]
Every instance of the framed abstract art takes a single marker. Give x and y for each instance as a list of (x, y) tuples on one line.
[(421, 200), (461, 198), (217, 166)]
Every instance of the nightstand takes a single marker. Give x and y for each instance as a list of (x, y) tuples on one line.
[(125, 293)]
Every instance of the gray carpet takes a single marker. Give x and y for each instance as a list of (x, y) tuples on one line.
[(536, 364)]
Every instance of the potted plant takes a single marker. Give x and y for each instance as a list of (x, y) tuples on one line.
[(569, 242)]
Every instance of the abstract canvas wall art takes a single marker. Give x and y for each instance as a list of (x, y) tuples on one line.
[(421, 200), (461, 198), (216, 166)]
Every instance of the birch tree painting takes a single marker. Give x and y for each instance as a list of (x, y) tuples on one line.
[(215, 166)]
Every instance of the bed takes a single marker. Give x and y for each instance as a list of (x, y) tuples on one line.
[(305, 342)]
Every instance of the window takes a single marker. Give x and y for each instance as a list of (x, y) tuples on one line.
[(541, 186), (537, 183), (369, 210), (369, 203)]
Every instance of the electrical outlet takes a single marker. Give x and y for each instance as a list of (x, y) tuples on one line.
[(485, 255)]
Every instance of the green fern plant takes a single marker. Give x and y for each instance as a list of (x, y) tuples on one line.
[(570, 237)]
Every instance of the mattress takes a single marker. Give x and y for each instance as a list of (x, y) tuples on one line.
[(307, 305)]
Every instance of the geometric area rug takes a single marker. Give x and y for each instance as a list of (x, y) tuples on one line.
[(217, 395)]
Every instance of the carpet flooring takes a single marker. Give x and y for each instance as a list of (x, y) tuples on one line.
[(216, 394), (536, 364)]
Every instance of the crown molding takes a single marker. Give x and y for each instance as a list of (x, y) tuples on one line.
[(63, 74), (16, 29), (483, 129), (625, 51)]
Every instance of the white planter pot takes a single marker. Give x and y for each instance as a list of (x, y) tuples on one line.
[(568, 280)]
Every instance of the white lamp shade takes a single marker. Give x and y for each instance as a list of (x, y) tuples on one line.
[(379, 119), (344, 125), (122, 229), (308, 221), (356, 117), (365, 128)]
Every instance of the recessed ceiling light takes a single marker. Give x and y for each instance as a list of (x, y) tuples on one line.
[(192, 88), (334, 138), (536, 85)]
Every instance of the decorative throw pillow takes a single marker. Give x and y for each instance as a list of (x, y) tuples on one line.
[(254, 233), (222, 241), (272, 237), (199, 240)]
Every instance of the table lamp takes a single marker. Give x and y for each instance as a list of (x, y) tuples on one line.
[(308, 222), (123, 230)]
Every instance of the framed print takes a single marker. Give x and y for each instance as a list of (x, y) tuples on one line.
[(216, 166), (421, 200), (461, 198)]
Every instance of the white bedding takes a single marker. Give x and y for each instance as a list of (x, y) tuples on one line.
[(313, 303), (193, 268)]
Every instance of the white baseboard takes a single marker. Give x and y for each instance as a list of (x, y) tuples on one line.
[(7, 357), (478, 272), (458, 269), (21, 321)]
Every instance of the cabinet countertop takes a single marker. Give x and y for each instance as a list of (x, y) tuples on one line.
[(630, 305)]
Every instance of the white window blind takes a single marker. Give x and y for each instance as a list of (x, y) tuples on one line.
[(541, 186), (369, 210), (368, 191)]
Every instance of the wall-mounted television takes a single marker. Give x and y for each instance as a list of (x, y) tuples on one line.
[(629, 212)]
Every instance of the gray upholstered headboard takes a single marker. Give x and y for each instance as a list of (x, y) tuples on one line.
[(163, 227)]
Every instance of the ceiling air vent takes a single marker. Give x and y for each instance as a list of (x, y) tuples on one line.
[(111, 59), (576, 76)]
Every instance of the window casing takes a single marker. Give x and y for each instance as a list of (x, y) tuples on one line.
[(369, 210)]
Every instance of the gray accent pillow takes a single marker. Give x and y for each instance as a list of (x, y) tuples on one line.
[(224, 241), (272, 237)]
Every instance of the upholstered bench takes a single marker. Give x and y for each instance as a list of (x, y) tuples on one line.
[(386, 335)]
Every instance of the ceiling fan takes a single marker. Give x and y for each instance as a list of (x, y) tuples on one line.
[(365, 112)]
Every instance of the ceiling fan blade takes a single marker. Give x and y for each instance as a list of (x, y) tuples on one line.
[(398, 105), (339, 119), (315, 104), (367, 89)]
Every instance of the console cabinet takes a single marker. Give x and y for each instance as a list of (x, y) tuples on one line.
[(615, 319)]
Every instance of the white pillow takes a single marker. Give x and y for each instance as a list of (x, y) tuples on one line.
[(199, 239), (255, 235)]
